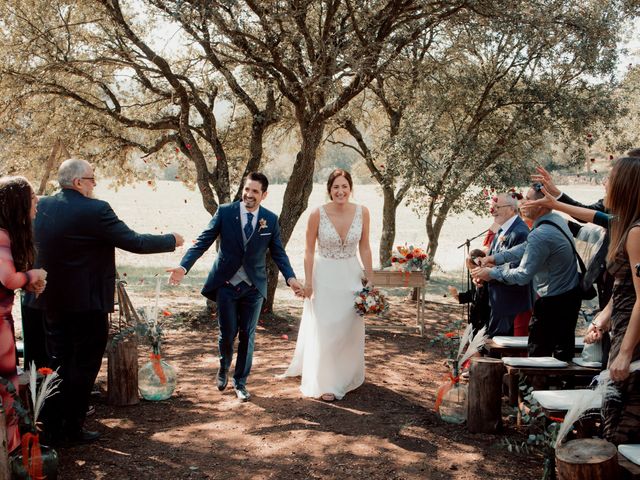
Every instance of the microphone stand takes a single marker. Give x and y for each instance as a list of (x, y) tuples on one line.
[(467, 245)]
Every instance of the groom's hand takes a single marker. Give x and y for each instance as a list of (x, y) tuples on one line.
[(296, 286), (177, 274)]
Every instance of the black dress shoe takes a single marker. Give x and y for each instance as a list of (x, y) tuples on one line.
[(222, 379), (83, 436), (242, 393)]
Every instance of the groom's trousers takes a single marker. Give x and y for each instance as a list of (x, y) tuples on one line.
[(238, 312)]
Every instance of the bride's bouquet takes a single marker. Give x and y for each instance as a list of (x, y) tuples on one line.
[(370, 301)]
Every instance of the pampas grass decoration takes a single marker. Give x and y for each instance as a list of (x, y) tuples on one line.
[(605, 389), (465, 339), (474, 346)]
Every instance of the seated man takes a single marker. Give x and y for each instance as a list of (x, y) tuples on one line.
[(548, 259)]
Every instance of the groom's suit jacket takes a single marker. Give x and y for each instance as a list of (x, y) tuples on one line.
[(510, 299), (234, 253)]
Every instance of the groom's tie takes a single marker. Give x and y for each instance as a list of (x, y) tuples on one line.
[(248, 228)]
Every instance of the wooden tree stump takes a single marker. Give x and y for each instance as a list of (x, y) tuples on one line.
[(122, 373), (484, 414), (587, 459), (5, 463)]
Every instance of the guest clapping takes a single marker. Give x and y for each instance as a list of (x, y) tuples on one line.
[(18, 204)]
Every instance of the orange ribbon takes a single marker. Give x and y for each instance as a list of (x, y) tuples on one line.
[(157, 367), (445, 388), (32, 458)]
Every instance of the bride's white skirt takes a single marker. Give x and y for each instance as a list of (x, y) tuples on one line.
[(329, 352)]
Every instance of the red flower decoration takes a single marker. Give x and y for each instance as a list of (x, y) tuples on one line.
[(450, 334), (409, 256), (166, 313), (45, 371), (556, 419)]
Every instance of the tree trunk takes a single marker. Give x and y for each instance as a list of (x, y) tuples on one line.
[(5, 465), (122, 373), (296, 197), (587, 458), (389, 208), (484, 413)]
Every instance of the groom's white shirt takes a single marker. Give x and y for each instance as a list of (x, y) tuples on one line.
[(241, 275)]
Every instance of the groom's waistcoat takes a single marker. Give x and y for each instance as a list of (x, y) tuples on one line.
[(234, 253)]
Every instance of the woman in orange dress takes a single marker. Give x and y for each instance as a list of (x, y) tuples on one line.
[(17, 209)]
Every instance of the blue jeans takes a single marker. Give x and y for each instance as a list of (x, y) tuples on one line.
[(238, 313)]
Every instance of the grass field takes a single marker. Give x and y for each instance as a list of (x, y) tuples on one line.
[(172, 207)]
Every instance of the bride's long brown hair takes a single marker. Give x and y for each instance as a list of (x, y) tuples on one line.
[(623, 201), (15, 218)]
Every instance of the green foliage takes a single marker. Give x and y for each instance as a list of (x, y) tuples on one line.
[(23, 413), (542, 431)]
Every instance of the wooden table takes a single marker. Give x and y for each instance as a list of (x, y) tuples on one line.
[(571, 370), (391, 278)]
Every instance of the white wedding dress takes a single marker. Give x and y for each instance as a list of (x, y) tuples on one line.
[(329, 352)]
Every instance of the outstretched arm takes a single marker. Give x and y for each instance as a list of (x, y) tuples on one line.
[(580, 213)]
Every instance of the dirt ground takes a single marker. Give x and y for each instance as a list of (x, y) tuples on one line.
[(386, 429)]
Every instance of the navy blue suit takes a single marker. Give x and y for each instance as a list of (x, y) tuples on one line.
[(508, 300), (76, 238), (239, 305)]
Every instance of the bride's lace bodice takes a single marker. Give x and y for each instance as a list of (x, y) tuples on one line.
[(330, 244)]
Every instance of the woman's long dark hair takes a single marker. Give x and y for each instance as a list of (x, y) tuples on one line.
[(15, 218), (623, 200)]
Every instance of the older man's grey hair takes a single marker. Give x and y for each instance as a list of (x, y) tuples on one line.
[(511, 200), (71, 169)]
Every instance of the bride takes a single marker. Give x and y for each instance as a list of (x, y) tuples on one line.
[(329, 352)]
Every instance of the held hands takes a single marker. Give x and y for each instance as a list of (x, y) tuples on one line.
[(481, 273), (177, 274), (179, 240), (487, 261), (297, 287)]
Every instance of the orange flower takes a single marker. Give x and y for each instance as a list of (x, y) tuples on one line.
[(45, 371), (450, 334), (556, 419), (166, 313)]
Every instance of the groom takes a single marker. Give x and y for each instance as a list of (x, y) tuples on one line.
[(237, 281)]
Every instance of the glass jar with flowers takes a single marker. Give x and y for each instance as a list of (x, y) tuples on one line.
[(34, 460), (451, 398), (156, 378)]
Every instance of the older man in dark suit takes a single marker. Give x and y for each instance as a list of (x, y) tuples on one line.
[(76, 237), (237, 281), (507, 301)]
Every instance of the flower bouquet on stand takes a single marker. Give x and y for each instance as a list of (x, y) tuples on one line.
[(408, 258), (451, 398), (33, 460)]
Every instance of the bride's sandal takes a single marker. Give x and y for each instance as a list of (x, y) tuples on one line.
[(327, 397)]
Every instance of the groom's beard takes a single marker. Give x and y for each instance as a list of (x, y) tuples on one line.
[(249, 202)]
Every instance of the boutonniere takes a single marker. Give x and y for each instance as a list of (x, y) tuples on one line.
[(263, 224), (501, 239)]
